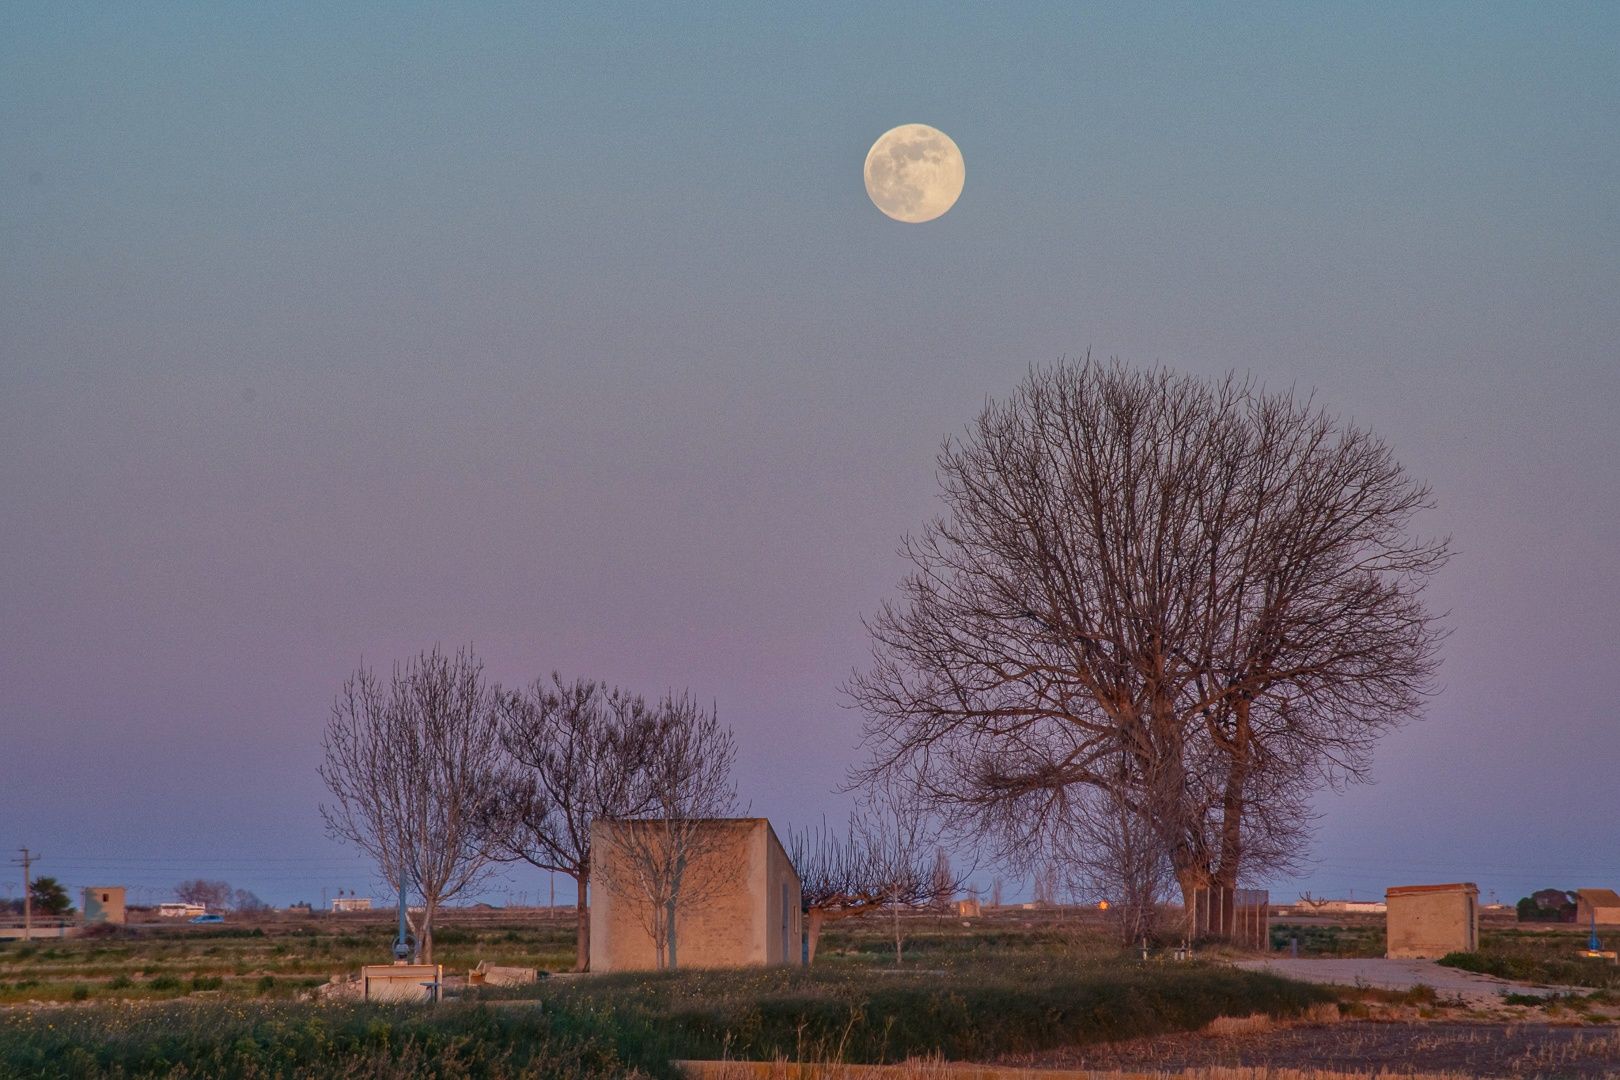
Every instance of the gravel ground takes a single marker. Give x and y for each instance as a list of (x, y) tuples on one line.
[(1402, 975)]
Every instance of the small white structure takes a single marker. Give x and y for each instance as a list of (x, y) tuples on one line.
[(104, 904), (351, 903), (1345, 907), (180, 911), (401, 982), (486, 974), (1425, 922)]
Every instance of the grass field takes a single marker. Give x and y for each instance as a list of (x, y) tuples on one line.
[(235, 1000), (1546, 956), (265, 959), (218, 1002)]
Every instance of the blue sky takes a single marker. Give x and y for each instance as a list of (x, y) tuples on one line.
[(572, 334)]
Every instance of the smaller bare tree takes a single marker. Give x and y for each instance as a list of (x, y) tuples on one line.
[(213, 895), (838, 878), (903, 844), (1108, 853), (881, 862), (661, 859), (577, 753), (408, 764), (243, 900)]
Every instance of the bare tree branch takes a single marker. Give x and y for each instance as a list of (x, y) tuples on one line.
[(1203, 600), (408, 763), (657, 859), (576, 752)]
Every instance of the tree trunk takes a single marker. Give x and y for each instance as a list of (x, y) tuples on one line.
[(669, 931), (1224, 875), (424, 940), (812, 934), (582, 926), (1193, 878), (897, 960)]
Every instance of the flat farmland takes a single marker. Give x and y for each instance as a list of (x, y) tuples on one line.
[(1045, 988)]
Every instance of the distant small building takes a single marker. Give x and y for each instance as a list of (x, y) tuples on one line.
[(1599, 906), (104, 904), (351, 903), (180, 910), (1344, 907), (1425, 922), (969, 908), (749, 912)]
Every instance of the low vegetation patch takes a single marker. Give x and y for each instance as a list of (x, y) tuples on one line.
[(966, 1013), (302, 1040), (1334, 941), (164, 1004), (1532, 961)]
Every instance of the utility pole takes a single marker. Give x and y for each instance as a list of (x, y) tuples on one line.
[(28, 897)]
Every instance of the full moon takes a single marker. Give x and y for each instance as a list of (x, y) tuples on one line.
[(914, 173)]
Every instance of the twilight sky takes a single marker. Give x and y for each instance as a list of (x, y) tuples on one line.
[(328, 335)]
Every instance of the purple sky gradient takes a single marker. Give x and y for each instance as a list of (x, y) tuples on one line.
[(328, 337)]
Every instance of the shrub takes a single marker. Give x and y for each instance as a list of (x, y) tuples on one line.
[(1564, 970), (1422, 994)]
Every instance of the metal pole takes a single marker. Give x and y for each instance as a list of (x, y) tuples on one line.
[(402, 945)]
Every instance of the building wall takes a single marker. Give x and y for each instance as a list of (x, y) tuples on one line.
[(783, 927), (1429, 921), (104, 904), (1585, 910), (735, 919)]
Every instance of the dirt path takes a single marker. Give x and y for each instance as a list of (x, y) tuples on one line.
[(1402, 975), (1387, 1049)]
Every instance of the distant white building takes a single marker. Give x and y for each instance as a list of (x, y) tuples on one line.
[(180, 911), (351, 903), (1351, 907)]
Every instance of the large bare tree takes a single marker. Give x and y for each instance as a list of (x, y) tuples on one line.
[(1205, 599), (662, 857), (578, 752), (408, 762)]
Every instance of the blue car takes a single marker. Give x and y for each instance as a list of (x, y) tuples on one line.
[(206, 918)]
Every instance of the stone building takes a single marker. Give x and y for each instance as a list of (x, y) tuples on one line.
[(1599, 906), (740, 908), (104, 904), (1428, 921)]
